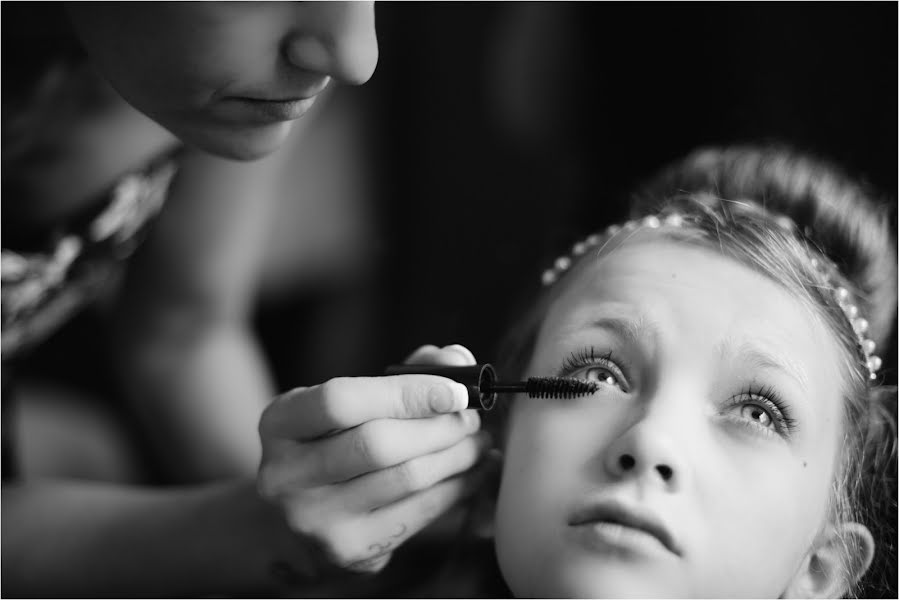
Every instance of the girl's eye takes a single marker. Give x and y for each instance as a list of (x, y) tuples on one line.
[(602, 375), (762, 411), (756, 413), (586, 365)]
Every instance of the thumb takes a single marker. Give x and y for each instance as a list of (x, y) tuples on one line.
[(454, 355)]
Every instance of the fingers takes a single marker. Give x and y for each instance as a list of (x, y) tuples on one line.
[(345, 402), (452, 355), (310, 412), (462, 351), (358, 465), (377, 445), (421, 354), (380, 488)]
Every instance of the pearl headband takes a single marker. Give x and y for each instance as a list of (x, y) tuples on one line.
[(841, 294)]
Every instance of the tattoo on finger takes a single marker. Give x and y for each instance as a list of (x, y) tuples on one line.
[(401, 531), (380, 549), (371, 563)]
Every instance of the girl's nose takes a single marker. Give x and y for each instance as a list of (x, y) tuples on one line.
[(647, 450), (336, 39)]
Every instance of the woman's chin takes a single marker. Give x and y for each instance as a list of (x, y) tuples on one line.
[(244, 142)]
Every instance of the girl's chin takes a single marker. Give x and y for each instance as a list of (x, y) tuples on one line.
[(608, 581)]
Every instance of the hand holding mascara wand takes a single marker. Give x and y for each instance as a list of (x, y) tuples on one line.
[(483, 386)]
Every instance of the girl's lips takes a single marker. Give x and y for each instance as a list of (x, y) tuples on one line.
[(613, 518), (621, 540)]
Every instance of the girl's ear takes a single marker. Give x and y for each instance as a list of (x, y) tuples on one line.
[(485, 504), (840, 557)]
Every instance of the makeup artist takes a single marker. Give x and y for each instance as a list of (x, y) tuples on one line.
[(119, 116)]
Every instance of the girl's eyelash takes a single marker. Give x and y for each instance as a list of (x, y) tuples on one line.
[(768, 397), (579, 359), (585, 358), (763, 395)]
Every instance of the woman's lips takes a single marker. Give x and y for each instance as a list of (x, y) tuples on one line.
[(613, 523), (255, 110)]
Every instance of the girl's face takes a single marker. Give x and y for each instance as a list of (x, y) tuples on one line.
[(228, 76), (703, 465)]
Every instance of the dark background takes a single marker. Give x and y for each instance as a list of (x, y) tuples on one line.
[(497, 134), (601, 95), (500, 133)]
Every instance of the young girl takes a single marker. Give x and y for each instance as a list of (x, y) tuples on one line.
[(734, 326)]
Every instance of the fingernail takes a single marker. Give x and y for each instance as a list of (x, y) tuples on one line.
[(462, 351), (472, 419), (427, 348), (461, 392), (441, 398), (447, 398)]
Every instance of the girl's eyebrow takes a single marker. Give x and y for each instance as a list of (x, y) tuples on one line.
[(640, 328), (759, 356), (633, 331)]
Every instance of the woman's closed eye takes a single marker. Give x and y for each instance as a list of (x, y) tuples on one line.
[(761, 411), (584, 364)]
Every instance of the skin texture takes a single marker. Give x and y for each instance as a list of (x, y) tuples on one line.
[(672, 433), (193, 66)]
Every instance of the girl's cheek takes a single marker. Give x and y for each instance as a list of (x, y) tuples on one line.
[(539, 429), (813, 482), (547, 422), (787, 503)]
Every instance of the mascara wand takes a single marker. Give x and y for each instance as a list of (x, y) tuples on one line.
[(482, 384)]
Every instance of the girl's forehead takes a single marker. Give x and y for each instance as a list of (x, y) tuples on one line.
[(670, 288), (653, 272)]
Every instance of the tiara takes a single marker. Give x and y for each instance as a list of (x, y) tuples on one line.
[(841, 295)]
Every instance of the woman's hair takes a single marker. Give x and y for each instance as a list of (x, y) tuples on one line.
[(41, 55), (733, 201), (50, 90)]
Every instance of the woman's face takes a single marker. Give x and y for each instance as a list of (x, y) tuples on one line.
[(228, 77), (703, 465)]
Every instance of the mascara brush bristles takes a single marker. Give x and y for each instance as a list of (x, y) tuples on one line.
[(559, 387)]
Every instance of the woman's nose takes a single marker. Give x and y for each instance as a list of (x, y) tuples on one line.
[(337, 39), (648, 452)]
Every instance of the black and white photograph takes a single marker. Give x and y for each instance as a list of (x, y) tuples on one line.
[(351, 299)]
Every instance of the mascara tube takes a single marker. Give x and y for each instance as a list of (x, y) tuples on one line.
[(478, 379)]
